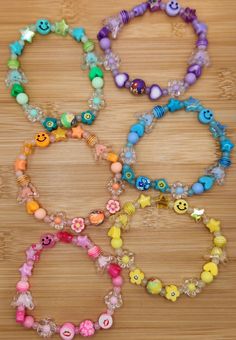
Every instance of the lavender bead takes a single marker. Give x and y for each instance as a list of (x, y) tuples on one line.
[(124, 16), (140, 9), (155, 92), (202, 43), (121, 79), (103, 33), (196, 69), (154, 5), (105, 43), (199, 27), (188, 15), (190, 78)]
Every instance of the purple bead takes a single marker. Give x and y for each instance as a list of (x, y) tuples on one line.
[(188, 15), (140, 9), (124, 15), (155, 92), (154, 5), (103, 33), (199, 27), (137, 86), (105, 43), (190, 78), (196, 69), (121, 79), (202, 42)]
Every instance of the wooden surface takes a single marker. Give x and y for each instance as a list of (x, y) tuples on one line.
[(65, 285)]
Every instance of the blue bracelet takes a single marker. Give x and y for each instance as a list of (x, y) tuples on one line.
[(215, 173)]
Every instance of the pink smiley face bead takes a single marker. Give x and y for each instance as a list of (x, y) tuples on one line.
[(47, 241)]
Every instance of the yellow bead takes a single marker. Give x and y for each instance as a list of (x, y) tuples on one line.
[(220, 241), (144, 201), (123, 219), (112, 157), (213, 225), (207, 277), (31, 207), (129, 208), (125, 259), (181, 206), (212, 268), (116, 243), (114, 232), (216, 251), (191, 287)]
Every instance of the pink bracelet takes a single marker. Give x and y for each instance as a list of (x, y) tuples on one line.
[(58, 220), (46, 327)]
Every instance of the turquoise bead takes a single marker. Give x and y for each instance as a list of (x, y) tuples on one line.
[(138, 128), (128, 174), (16, 48), (50, 123), (207, 182), (226, 145), (205, 116), (175, 105), (161, 185), (78, 33), (43, 26), (87, 117)]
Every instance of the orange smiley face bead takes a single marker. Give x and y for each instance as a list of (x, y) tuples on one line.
[(42, 139)]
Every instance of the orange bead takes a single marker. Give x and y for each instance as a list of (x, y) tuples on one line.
[(115, 186), (20, 164), (31, 207), (116, 167), (57, 220), (112, 157)]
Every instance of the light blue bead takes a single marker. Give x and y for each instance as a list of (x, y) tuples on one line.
[(16, 48), (138, 128), (205, 116), (142, 183), (226, 145), (43, 26), (133, 137), (78, 33), (197, 188), (161, 185), (158, 111), (175, 105), (179, 190), (147, 118), (207, 182), (128, 174), (225, 162)]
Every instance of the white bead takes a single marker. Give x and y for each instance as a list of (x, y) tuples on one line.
[(22, 98)]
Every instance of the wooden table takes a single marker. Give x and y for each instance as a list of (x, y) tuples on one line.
[(65, 284)]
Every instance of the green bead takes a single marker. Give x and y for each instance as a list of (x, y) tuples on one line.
[(95, 72), (68, 120), (88, 46), (13, 64), (97, 83), (16, 89), (22, 98)]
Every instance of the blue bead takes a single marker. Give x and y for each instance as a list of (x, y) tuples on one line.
[(16, 48), (78, 33), (197, 188), (161, 185), (205, 116), (142, 183), (43, 26), (147, 119), (133, 137), (207, 182), (128, 174), (225, 162), (175, 105), (138, 128), (158, 111), (226, 145)]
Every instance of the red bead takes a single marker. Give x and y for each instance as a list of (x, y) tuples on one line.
[(65, 237), (114, 270)]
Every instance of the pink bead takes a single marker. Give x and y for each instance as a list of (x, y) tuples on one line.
[(20, 315), (40, 214), (116, 167), (113, 300), (114, 270), (117, 281), (22, 286), (29, 321), (117, 290), (94, 252)]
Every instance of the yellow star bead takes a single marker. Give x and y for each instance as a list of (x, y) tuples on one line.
[(114, 232), (61, 28), (60, 134), (162, 201), (144, 201), (27, 35), (213, 225)]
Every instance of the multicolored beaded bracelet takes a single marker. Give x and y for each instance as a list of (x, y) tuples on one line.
[(175, 88), (28, 192), (47, 327), (153, 285), (16, 78), (215, 173)]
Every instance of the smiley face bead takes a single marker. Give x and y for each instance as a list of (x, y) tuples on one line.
[(172, 8), (43, 26), (205, 116), (42, 139), (181, 206), (47, 241)]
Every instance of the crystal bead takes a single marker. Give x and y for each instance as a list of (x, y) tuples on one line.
[(176, 88), (114, 24), (111, 62), (33, 113), (15, 77)]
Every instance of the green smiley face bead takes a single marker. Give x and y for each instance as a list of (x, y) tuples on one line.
[(95, 72), (88, 46), (16, 89)]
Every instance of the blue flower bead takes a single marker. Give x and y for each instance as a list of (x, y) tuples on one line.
[(50, 123), (142, 183), (161, 185)]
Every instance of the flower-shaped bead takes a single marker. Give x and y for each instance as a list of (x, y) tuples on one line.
[(179, 190), (136, 276), (113, 300), (176, 88), (126, 259), (58, 220), (78, 224), (113, 206), (97, 102), (46, 328), (128, 155), (116, 187), (191, 287), (86, 328), (87, 117), (172, 293), (50, 123)]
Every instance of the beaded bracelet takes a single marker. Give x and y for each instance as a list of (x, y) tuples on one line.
[(153, 285), (16, 78), (175, 88), (215, 173), (47, 327), (28, 192)]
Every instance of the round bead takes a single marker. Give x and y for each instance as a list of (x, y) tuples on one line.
[(220, 241), (197, 188), (105, 321), (97, 83), (43, 26), (207, 277), (172, 8), (22, 286), (154, 286), (116, 243), (158, 111), (117, 281), (40, 214), (105, 43), (137, 87), (133, 137), (29, 321), (13, 64), (205, 116), (94, 252), (138, 128), (68, 120), (67, 331), (22, 98), (190, 78), (116, 167), (114, 270), (88, 46), (129, 208)]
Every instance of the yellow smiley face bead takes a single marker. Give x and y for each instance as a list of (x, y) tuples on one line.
[(181, 206)]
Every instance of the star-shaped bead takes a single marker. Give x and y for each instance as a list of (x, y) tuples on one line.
[(30, 254), (144, 201), (61, 27), (213, 225), (197, 214), (77, 132), (60, 134), (27, 34), (83, 241), (26, 269), (162, 201)]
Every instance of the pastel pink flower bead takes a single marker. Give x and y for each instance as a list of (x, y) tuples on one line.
[(86, 328), (117, 281), (116, 167), (22, 286), (29, 321), (40, 214)]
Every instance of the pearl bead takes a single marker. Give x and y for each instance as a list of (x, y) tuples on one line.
[(116, 167), (97, 83), (40, 214)]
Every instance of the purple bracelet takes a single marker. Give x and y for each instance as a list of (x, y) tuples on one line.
[(137, 86)]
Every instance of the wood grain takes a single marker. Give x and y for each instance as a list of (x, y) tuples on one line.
[(65, 285)]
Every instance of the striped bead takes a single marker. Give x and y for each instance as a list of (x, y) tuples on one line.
[(158, 111), (225, 162), (94, 252), (124, 15)]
